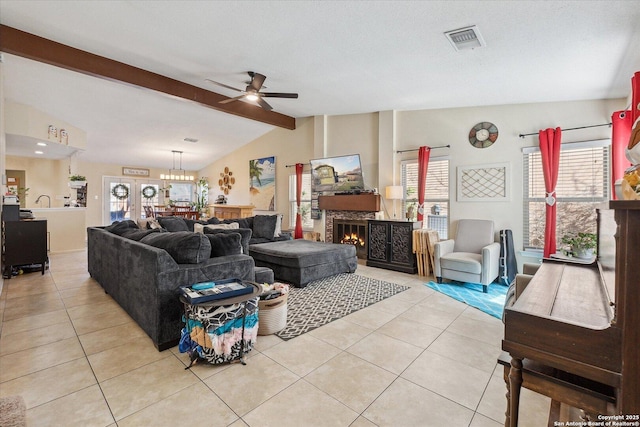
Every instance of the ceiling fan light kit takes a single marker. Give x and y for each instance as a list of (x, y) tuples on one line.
[(252, 91)]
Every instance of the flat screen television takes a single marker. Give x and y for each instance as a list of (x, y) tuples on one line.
[(341, 174)]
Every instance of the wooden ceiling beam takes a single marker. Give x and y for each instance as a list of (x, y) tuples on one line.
[(27, 45)]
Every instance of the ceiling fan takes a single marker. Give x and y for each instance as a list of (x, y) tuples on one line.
[(252, 91)]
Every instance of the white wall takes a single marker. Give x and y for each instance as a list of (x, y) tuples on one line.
[(378, 136), (452, 126), (289, 148)]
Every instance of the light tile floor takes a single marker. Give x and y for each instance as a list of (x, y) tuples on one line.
[(418, 358)]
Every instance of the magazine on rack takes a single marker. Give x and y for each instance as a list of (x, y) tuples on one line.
[(211, 291)]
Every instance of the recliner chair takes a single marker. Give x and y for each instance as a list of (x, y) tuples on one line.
[(472, 256)]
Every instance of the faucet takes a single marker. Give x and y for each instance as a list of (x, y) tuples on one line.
[(44, 195)]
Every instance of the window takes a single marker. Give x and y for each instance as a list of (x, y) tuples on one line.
[(436, 194), (583, 184), (305, 201), (181, 193)]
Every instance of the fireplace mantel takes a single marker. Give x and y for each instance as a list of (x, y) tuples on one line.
[(367, 202)]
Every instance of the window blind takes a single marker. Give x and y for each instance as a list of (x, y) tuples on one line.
[(436, 190), (583, 184)]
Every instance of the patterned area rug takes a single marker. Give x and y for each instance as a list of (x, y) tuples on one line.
[(469, 293), (331, 298)]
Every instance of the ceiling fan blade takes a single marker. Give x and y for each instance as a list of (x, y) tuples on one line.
[(257, 80), (226, 101), (264, 104), (279, 95), (224, 85)]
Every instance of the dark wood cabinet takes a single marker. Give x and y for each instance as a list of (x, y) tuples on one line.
[(390, 245), (25, 242)]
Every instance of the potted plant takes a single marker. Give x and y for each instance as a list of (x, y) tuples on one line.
[(77, 181), (202, 197), (581, 245)]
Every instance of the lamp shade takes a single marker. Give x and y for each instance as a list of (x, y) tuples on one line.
[(394, 192)]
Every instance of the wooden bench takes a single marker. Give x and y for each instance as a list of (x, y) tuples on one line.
[(574, 391)]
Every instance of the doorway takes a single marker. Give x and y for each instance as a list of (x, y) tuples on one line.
[(125, 198)]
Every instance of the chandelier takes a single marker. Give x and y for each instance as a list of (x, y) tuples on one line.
[(176, 174)]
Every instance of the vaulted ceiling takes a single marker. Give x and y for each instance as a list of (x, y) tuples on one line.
[(342, 57)]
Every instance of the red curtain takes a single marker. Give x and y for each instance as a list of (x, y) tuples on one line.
[(423, 165), (621, 131), (298, 231), (550, 141), (635, 97)]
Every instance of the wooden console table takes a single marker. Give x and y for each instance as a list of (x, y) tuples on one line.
[(390, 245), (232, 211)]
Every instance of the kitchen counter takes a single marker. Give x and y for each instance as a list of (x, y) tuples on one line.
[(66, 227)]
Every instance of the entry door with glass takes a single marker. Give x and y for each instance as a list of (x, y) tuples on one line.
[(126, 198)]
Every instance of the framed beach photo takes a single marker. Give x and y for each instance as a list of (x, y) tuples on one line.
[(262, 183)]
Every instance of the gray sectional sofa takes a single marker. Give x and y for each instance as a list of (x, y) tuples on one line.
[(143, 270)]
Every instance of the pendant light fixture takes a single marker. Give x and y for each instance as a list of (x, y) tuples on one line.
[(176, 174)]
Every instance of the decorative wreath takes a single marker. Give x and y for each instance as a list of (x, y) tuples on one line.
[(149, 192), (120, 191)]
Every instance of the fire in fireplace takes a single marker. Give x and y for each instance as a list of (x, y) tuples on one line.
[(352, 239), (351, 232)]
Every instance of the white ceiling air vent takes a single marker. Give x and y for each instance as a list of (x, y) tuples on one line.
[(465, 38)]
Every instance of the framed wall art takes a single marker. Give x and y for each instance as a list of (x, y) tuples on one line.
[(484, 183), (262, 183)]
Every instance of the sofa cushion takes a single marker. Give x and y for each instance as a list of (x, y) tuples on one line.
[(225, 244), (172, 223), (213, 220), (265, 226), (184, 247), (120, 227), (242, 222), (462, 261), (245, 234), (138, 235)]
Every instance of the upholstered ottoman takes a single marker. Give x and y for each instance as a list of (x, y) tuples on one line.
[(302, 261), (263, 275)]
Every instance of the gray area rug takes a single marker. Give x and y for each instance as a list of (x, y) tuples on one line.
[(331, 298)]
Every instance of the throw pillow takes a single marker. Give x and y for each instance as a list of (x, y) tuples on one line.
[(192, 222), (278, 225), (224, 244), (264, 226), (153, 224), (148, 223), (172, 223), (199, 228), (245, 234), (213, 220), (119, 227), (184, 247), (137, 235)]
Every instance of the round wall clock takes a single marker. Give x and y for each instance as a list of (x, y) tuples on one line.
[(483, 135)]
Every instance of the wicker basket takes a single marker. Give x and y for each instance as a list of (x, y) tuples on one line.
[(272, 315)]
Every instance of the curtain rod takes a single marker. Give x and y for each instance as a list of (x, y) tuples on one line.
[(402, 151), (292, 166), (522, 135), (416, 149)]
